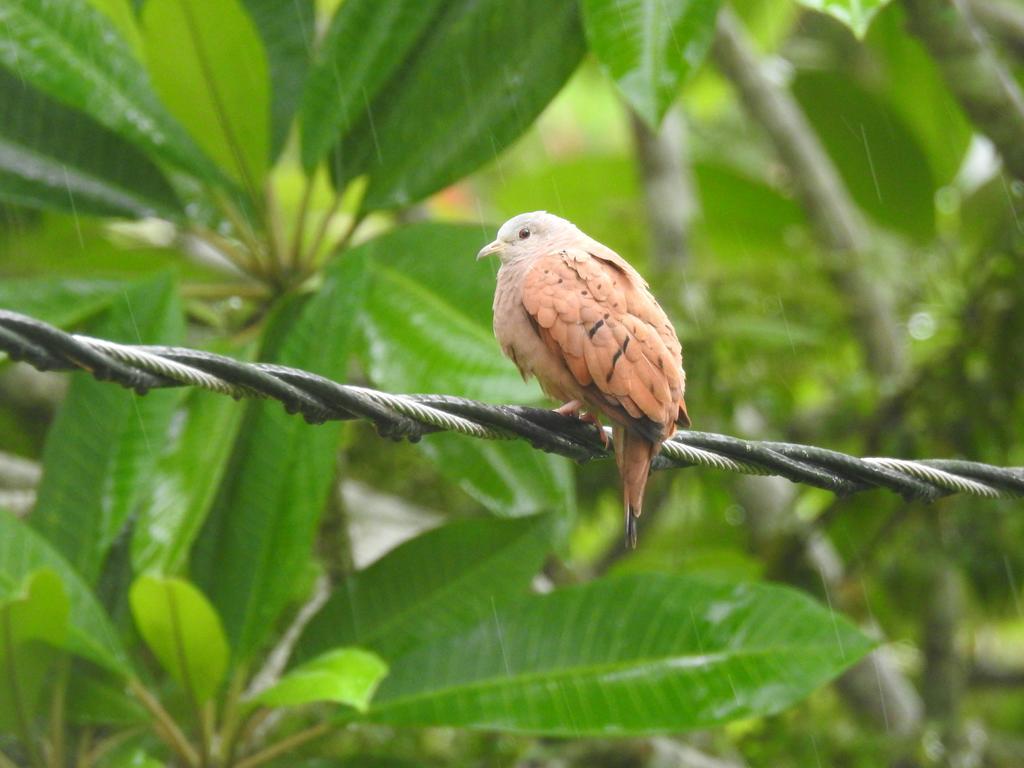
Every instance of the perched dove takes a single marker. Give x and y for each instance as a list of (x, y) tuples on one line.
[(576, 315)]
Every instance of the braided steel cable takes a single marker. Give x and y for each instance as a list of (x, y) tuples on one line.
[(319, 399)]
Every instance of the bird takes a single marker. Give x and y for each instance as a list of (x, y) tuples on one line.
[(578, 317)]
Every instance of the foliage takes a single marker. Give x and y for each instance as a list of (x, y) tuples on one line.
[(204, 582)]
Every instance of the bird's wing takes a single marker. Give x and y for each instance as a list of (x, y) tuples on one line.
[(598, 315)]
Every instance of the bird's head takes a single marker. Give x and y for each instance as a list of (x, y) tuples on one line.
[(527, 234)]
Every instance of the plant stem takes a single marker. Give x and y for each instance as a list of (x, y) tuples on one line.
[(22, 724), (202, 722), (57, 707), (88, 758), (84, 757), (245, 232), (278, 255), (233, 718), (247, 720), (168, 729), (295, 252), (321, 230), (284, 745), (242, 260), (980, 81), (347, 236), (223, 290), (838, 223)]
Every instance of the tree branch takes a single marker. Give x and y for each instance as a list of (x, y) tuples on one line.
[(985, 89), (669, 200), (839, 225), (1003, 20)]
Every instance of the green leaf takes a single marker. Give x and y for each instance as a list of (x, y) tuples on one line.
[(343, 676), (420, 341), (103, 445), (856, 14), (364, 45), (911, 84), (59, 301), (37, 608), (260, 532), (33, 621), (131, 757), (88, 248), (209, 67), (73, 52), (55, 157), (430, 586), (637, 654), (427, 328), (122, 15), (597, 192), (183, 631), (90, 635), (742, 214), (510, 478), (92, 699), (878, 157), (473, 84), (287, 30), (191, 466), (650, 46)]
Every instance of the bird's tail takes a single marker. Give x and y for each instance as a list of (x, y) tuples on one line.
[(633, 454)]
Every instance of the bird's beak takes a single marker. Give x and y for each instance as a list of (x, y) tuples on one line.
[(490, 249)]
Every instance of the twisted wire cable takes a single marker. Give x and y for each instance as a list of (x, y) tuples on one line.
[(410, 417)]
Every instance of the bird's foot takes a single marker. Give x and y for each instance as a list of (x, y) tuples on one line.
[(592, 419), (574, 408), (571, 408)]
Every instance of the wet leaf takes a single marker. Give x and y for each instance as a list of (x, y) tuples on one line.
[(122, 14), (432, 585), (462, 97), (188, 473), (74, 52), (259, 534), (287, 30), (55, 157), (649, 47), (59, 301), (103, 445), (637, 654), (364, 45)]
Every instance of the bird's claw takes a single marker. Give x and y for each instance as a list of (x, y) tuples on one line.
[(573, 408), (592, 419)]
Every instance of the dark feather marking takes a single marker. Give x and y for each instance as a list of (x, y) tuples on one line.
[(532, 320), (594, 329), (643, 426), (615, 359)]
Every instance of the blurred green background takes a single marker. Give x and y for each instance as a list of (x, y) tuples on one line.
[(880, 315)]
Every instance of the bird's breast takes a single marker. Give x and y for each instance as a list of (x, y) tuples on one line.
[(520, 342)]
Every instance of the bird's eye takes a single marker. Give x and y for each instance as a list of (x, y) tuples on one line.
[(524, 233)]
